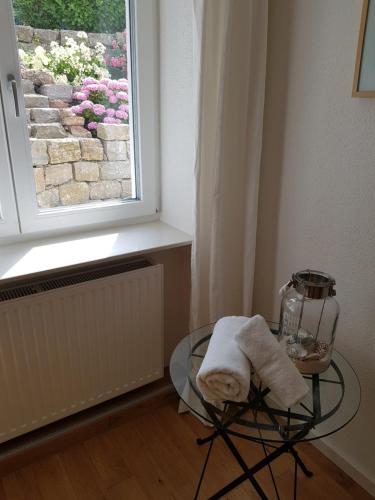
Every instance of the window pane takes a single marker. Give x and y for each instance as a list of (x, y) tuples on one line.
[(74, 63)]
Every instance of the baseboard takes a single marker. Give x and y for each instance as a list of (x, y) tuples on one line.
[(71, 430), (357, 476)]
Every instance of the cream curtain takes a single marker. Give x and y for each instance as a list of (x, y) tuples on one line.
[(230, 53), (230, 60)]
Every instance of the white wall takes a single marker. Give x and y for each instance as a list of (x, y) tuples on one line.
[(176, 112), (317, 192)]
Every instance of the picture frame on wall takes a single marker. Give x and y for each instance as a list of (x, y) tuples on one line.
[(364, 71)]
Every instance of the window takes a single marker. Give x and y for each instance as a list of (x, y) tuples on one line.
[(78, 115)]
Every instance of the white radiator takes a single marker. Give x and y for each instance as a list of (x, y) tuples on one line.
[(70, 343)]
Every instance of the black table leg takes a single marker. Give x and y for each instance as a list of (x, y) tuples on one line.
[(207, 439), (299, 461), (204, 469), (243, 465), (248, 474), (251, 471), (221, 429), (285, 448), (295, 480), (222, 432)]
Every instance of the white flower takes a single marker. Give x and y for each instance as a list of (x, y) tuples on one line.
[(40, 58), (103, 73), (99, 48), (61, 79), (76, 59), (39, 51), (22, 54), (82, 34)]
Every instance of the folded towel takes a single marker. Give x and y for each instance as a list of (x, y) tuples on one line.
[(225, 370), (270, 361)]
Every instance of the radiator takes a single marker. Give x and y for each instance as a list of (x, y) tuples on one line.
[(73, 342)]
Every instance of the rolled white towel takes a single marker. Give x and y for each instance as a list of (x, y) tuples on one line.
[(270, 361), (225, 371)]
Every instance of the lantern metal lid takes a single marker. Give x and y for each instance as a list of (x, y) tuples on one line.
[(313, 284)]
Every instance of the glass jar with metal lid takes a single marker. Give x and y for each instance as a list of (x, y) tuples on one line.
[(308, 319)]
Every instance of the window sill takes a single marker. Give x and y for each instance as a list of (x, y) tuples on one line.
[(23, 260)]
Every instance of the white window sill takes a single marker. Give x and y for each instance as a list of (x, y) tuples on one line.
[(21, 260)]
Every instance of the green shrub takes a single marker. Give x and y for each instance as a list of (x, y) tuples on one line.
[(95, 16)]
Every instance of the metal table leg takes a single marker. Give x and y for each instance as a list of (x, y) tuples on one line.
[(249, 476), (204, 468), (299, 461), (249, 472)]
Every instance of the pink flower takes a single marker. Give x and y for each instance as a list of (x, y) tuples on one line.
[(123, 96), (110, 112), (109, 119), (92, 125), (92, 87), (124, 107), (112, 99), (102, 87), (79, 96), (98, 109), (109, 92), (87, 105), (104, 81), (114, 44), (76, 109), (123, 84), (113, 84), (121, 114), (117, 62), (117, 121), (89, 81)]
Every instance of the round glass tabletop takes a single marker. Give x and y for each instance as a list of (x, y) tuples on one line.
[(332, 402)]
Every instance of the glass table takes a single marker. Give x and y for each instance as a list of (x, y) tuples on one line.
[(332, 402)]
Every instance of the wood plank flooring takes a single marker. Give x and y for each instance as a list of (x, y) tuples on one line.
[(154, 456)]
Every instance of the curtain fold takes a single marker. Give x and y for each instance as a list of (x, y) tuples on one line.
[(230, 53)]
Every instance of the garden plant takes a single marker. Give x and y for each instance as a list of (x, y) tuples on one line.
[(93, 16), (102, 101), (68, 63)]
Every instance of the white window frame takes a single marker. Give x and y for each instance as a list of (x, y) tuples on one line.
[(143, 19), (9, 224)]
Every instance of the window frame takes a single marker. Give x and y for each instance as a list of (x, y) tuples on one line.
[(142, 18), (9, 223)]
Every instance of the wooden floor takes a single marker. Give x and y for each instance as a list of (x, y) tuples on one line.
[(154, 456)]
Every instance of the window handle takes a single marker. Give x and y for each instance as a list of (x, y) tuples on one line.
[(13, 84)]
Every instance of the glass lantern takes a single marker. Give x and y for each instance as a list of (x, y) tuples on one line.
[(308, 318)]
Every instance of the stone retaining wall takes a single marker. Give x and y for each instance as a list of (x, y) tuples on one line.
[(74, 170), (70, 166), (27, 35)]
